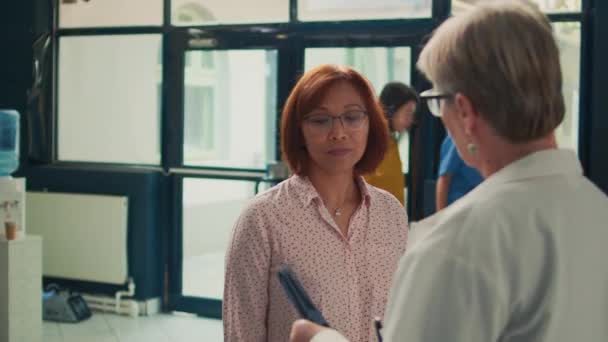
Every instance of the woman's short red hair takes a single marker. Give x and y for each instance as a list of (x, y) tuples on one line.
[(308, 94)]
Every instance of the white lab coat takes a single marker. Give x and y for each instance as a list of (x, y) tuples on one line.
[(520, 258)]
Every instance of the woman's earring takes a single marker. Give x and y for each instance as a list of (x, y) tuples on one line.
[(472, 148)]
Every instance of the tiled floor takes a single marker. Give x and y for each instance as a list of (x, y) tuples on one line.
[(106, 327)]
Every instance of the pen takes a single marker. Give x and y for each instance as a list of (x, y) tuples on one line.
[(378, 325)]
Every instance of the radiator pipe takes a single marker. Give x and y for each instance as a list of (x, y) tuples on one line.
[(118, 304), (106, 304), (120, 294)]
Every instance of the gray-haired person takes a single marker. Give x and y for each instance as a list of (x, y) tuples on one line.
[(522, 256)]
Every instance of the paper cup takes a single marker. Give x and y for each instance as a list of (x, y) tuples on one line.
[(10, 229)]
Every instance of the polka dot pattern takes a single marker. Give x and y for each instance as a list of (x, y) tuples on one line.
[(347, 277)]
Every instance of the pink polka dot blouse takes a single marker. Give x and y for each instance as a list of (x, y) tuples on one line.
[(347, 277)]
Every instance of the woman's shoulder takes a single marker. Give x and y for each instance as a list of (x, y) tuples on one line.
[(256, 215), (385, 207), (483, 214), (262, 201), (270, 200)]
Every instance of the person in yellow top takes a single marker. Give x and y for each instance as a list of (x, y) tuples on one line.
[(399, 102)]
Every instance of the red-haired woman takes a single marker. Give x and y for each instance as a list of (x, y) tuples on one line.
[(341, 236)]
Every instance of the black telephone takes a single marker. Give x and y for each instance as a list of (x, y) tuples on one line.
[(62, 305)]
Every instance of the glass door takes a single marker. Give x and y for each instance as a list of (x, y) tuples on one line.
[(226, 88), (226, 98)]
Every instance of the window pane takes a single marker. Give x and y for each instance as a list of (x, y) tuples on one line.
[(108, 99), (379, 64), (548, 6), (107, 13), (404, 151), (210, 209), (214, 12), (321, 10), (569, 40), (230, 108)]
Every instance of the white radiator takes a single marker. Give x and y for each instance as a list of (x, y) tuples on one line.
[(84, 236)]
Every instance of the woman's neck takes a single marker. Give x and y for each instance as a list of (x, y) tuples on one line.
[(335, 189)]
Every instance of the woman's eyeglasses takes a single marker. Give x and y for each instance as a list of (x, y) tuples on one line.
[(433, 98), (323, 123)]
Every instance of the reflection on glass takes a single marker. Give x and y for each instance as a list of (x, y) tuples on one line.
[(322, 10), (110, 13), (569, 40), (108, 102), (230, 108), (547, 6), (215, 12), (379, 64), (404, 151), (210, 209)]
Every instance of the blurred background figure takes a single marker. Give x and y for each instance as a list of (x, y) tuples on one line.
[(518, 258), (399, 103), (455, 178)]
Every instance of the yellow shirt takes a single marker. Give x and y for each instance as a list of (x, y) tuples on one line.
[(389, 176)]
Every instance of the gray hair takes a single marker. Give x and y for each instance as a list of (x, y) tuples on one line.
[(502, 55)]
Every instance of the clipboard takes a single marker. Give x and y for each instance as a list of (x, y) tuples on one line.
[(299, 298)]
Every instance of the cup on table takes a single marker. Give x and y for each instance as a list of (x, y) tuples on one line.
[(10, 230)]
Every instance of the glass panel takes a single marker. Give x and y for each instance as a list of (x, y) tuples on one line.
[(215, 12), (108, 13), (569, 40), (321, 10), (548, 6), (404, 154), (404, 151), (108, 99), (379, 64), (210, 210), (230, 108)]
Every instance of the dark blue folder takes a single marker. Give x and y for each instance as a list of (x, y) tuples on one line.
[(299, 298)]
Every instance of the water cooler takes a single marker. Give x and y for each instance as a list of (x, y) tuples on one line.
[(12, 190), (20, 255)]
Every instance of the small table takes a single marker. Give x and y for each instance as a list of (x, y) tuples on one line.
[(21, 289)]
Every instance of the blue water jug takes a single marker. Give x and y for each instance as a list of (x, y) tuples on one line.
[(9, 141)]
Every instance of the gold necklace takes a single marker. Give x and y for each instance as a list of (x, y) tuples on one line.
[(337, 212)]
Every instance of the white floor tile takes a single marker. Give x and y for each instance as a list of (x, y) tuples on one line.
[(193, 329), (90, 338), (106, 327), (50, 329), (94, 329), (138, 329), (52, 338)]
